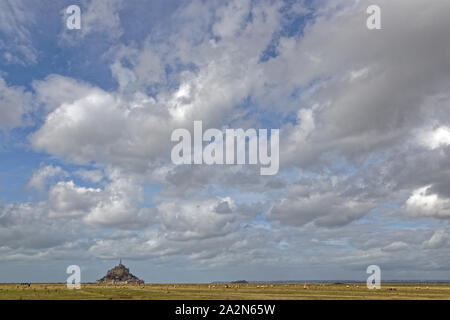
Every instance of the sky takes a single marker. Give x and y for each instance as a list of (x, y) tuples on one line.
[(86, 118)]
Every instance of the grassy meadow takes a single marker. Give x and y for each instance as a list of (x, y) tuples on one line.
[(224, 291)]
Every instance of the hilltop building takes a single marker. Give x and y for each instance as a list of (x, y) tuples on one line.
[(120, 275)]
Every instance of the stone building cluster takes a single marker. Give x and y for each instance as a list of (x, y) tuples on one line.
[(119, 275)]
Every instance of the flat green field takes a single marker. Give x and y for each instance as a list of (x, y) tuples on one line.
[(224, 291)]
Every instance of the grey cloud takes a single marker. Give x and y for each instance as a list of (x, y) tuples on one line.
[(372, 98), (15, 103), (322, 202), (223, 207), (437, 240)]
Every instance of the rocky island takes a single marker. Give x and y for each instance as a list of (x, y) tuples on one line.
[(119, 275)]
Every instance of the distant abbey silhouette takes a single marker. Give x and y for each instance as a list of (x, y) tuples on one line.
[(120, 275)]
